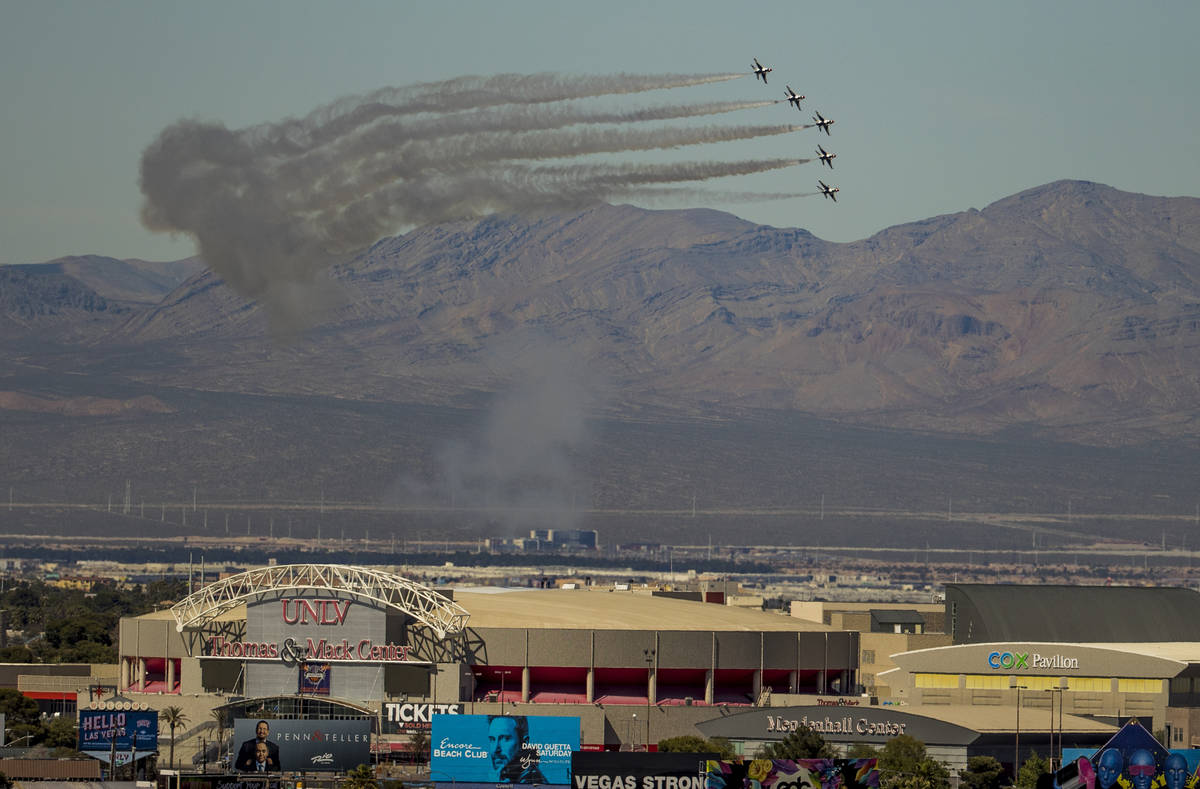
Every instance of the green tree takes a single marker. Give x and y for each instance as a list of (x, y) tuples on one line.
[(88, 652), (361, 777), (218, 716), (690, 743), (1031, 770), (983, 772), (905, 764), (16, 654), (72, 630), (17, 708), (60, 733), (862, 750), (174, 718), (804, 743), (418, 742)]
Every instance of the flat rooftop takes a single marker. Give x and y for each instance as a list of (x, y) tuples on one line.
[(594, 609), (604, 609)]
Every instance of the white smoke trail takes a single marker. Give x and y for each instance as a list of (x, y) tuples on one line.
[(270, 206)]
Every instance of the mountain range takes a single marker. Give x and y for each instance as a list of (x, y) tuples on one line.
[(1068, 314)]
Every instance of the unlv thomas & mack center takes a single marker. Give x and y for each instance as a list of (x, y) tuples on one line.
[(334, 642)]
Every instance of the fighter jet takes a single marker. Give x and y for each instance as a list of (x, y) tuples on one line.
[(828, 191), (761, 71), (822, 122), (826, 157), (792, 97)]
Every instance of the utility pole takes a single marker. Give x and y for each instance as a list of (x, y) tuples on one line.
[(1017, 737), (648, 654)]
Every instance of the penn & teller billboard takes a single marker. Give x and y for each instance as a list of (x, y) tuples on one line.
[(517, 749), (294, 745)]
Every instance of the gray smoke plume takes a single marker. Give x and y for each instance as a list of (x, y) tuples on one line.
[(271, 207), (522, 470)]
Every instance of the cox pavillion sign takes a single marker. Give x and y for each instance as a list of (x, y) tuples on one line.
[(1016, 661)]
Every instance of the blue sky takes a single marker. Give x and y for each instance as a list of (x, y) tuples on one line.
[(940, 106)]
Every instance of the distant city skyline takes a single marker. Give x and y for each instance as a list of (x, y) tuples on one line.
[(939, 107)]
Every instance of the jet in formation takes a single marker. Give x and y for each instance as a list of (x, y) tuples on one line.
[(761, 71), (829, 191), (826, 157), (792, 97), (823, 123)]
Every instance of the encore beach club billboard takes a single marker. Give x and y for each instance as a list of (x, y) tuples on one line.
[(491, 749)]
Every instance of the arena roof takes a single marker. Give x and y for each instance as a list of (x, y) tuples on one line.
[(978, 613), (595, 609), (602, 609), (986, 718)]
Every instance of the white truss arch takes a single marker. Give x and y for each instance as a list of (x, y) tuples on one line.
[(441, 615)]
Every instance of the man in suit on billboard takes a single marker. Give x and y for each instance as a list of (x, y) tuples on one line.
[(247, 761)]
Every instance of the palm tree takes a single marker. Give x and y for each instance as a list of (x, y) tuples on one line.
[(218, 716), (174, 717)]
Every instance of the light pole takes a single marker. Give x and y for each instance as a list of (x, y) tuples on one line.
[(1017, 736), (648, 654), (633, 728), (1052, 692), (503, 673)]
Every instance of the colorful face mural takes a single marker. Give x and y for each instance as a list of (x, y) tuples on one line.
[(1132, 759), (792, 774)]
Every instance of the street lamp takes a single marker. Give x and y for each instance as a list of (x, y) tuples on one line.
[(648, 654), (1017, 735), (1052, 691), (633, 728), (503, 673)]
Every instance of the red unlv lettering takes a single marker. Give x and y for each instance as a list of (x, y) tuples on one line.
[(303, 611)]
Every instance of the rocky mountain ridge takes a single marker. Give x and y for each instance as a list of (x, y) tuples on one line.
[(1071, 308)]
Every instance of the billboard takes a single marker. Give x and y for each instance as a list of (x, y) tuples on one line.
[(518, 749), (410, 717), (122, 730), (638, 770), (332, 745), (824, 773), (1132, 759)]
